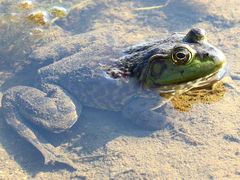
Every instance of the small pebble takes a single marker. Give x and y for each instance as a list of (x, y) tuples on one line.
[(26, 4), (58, 11), (38, 17)]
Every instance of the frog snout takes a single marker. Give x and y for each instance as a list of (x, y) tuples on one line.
[(218, 57), (215, 55)]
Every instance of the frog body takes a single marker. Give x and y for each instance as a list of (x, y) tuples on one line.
[(128, 81)]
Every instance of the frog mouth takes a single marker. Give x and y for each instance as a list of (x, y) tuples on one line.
[(216, 76), (197, 83)]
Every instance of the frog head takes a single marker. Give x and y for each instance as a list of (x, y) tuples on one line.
[(185, 60)]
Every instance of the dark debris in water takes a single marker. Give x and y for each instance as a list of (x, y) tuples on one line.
[(231, 138)]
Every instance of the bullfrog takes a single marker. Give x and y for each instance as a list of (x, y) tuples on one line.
[(129, 80)]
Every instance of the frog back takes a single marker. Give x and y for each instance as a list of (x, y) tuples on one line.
[(85, 78)]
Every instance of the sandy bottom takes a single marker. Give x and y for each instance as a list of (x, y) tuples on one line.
[(117, 149)]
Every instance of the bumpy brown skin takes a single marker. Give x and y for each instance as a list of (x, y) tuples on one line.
[(98, 76)]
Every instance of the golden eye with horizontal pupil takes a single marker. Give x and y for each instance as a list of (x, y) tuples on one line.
[(181, 55)]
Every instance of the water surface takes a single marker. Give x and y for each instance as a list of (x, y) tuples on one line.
[(103, 144)]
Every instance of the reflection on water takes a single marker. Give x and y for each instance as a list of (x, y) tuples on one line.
[(103, 144)]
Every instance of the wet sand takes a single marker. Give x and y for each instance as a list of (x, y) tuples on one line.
[(118, 149)]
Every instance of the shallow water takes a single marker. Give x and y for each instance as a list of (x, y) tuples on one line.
[(103, 144)]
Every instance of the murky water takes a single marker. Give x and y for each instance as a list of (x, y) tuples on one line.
[(104, 144)]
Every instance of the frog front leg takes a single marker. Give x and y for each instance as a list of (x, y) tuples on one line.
[(51, 109), (152, 114), (141, 112)]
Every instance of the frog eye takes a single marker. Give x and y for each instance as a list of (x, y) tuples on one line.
[(181, 56)]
